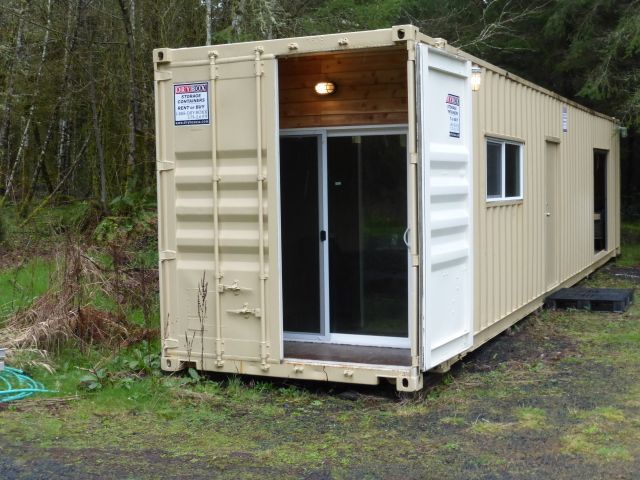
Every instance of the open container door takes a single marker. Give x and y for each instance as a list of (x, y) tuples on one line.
[(224, 266), (445, 149)]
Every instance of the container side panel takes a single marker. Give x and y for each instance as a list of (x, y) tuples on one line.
[(511, 236)]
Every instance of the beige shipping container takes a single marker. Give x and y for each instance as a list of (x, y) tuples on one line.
[(366, 206)]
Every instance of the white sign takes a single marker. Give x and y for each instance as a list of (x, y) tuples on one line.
[(565, 119), (453, 109), (191, 103)]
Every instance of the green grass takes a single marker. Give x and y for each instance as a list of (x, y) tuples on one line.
[(19, 286), (630, 238), (48, 225)]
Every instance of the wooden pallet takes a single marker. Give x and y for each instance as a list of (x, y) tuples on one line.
[(593, 299)]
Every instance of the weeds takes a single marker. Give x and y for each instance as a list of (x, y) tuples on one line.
[(64, 314), (202, 313), (132, 218)]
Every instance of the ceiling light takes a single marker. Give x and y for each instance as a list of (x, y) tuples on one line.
[(325, 88)]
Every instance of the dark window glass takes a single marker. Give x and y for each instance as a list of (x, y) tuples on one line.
[(512, 170), (300, 234), (494, 170), (367, 182)]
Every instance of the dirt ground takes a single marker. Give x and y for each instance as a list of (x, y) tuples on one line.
[(557, 396)]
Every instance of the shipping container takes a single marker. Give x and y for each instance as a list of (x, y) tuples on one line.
[(366, 206)]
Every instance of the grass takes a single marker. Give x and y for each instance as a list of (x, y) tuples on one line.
[(530, 417), (556, 398), (19, 286), (630, 238), (576, 414)]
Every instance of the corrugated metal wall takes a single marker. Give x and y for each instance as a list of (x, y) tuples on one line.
[(510, 236)]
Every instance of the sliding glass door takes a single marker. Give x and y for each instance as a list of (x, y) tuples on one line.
[(300, 237), (344, 216), (367, 202)]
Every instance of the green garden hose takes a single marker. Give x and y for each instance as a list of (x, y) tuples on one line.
[(18, 385)]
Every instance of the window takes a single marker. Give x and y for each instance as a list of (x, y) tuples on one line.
[(504, 170)]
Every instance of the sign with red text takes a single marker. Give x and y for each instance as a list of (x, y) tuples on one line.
[(191, 103), (453, 109)]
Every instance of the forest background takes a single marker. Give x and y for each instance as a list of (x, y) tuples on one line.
[(76, 76), (555, 397)]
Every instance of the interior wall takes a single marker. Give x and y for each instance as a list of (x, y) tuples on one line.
[(371, 89)]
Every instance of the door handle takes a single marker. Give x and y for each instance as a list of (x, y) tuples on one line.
[(548, 214), (405, 237), (323, 235)]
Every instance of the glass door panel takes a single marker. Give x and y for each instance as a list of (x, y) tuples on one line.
[(367, 206), (300, 235)]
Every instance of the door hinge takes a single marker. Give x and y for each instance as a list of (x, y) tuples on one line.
[(160, 75), (165, 165), (167, 255)]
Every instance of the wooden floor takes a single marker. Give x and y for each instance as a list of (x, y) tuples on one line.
[(347, 353)]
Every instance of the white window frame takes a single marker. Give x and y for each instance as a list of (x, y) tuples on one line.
[(503, 162)]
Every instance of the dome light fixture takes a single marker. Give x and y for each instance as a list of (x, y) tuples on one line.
[(325, 88)]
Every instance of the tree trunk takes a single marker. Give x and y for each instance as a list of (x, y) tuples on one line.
[(134, 122), (6, 109), (62, 155), (60, 185), (39, 167), (98, 137), (24, 139), (208, 19)]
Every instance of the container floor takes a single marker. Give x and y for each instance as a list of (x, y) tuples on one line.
[(348, 353)]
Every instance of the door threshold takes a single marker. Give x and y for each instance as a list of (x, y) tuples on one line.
[(350, 339), (331, 352)]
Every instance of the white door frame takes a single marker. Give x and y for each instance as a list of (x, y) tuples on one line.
[(325, 335)]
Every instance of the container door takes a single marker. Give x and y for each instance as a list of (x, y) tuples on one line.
[(446, 206), (227, 250)]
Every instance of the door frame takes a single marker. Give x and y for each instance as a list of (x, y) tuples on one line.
[(325, 335), (551, 214), (605, 219)]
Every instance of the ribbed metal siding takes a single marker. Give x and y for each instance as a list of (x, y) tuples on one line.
[(510, 237)]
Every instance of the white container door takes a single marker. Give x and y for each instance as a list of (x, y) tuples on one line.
[(446, 206)]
